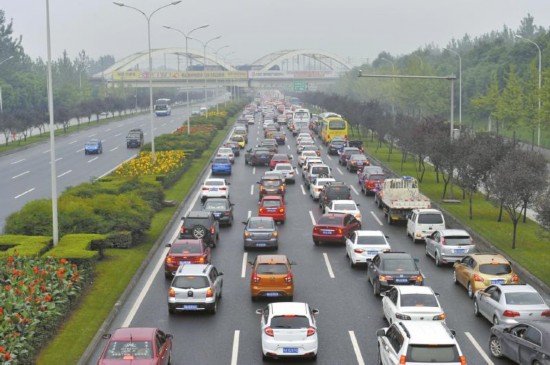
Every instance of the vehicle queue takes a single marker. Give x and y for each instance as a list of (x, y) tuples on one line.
[(417, 331)]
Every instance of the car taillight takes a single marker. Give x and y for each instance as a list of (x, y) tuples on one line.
[(223, 189), (310, 331), (478, 278), (201, 259), (282, 210), (443, 242), (439, 317), (316, 229), (545, 313), (268, 331), (340, 231), (182, 229), (515, 279), (417, 278), (169, 260), (509, 313), (358, 250), (385, 277), (172, 293), (205, 188), (288, 278), (212, 230), (261, 210), (462, 360), (402, 360), (209, 293), (255, 277)]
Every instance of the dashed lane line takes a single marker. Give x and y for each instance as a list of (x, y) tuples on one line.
[(92, 160), (376, 218), (356, 348), (19, 175), (113, 149), (254, 170), (312, 217), (251, 189), (354, 190), (479, 348), (340, 171), (65, 173), (303, 190), (329, 267), (16, 162), (235, 352), (23, 193), (245, 262)]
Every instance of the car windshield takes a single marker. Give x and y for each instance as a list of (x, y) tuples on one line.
[(418, 300), (330, 220), (430, 218), (495, 269), (129, 350), (458, 241), (271, 183), (399, 265), (371, 240), (261, 223), (273, 269), (269, 203), (190, 282), (318, 170), (214, 182), (185, 248), (289, 322), (337, 124), (433, 354), (527, 298), (215, 205), (308, 154), (91, 144), (221, 160)]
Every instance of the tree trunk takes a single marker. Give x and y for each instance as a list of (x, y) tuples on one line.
[(423, 169), (525, 211), (515, 223), (471, 210), (500, 213)]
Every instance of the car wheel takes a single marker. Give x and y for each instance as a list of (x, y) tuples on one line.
[(214, 308), (390, 221), (199, 231), (167, 275), (476, 308), (170, 358), (379, 362), (454, 277), (316, 242), (230, 221), (171, 311), (495, 321), (437, 259), (265, 358), (495, 347), (376, 288), (426, 251), (253, 298), (470, 290), (351, 264), (290, 298)]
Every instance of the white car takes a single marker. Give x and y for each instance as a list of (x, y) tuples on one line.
[(344, 206), (289, 330), (317, 186), (304, 155), (309, 161), (411, 303), (302, 136), (287, 170), (214, 188), (362, 246), (226, 152)]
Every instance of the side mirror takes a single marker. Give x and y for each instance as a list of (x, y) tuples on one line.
[(257, 182), (170, 336), (168, 245), (436, 294), (381, 332), (227, 183), (453, 332), (106, 336), (358, 205), (245, 223), (232, 204), (315, 312), (220, 273), (383, 294), (259, 311), (388, 237), (416, 260)]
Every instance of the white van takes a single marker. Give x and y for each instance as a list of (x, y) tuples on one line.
[(423, 222)]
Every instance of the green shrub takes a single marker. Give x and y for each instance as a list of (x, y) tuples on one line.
[(34, 219), (24, 245), (77, 247)]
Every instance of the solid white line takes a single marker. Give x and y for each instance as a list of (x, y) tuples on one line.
[(479, 349), (376, 218), (21, 174), (80, 150), (57, 159), (340, 171), (108, 130), (49, 151), (91, 135), (235, 353), (93, 159), (329, 268), (312, 217), (251, 189), (65, 173), (118, 134), (302, 187), (16, 162), (114, 149), (328, 156), (26, 192), (288, 146), (73, 142), (254, 170), (355, 191), (356, 348), (249, 214), (155, 129), (245, 262)]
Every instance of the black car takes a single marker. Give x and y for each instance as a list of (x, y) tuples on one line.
[(333, 191), (257, 156), (270, 144), (280, 137), (335, 145), (523, 343), (222, 209), (346, 153), (393, 268), (201, 225), (271, 186), (234, 147), (134, 138)]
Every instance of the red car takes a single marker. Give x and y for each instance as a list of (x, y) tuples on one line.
[(149, 346), (185, 251), (335, 227), (273, 206), (278, 158), (373, 183)]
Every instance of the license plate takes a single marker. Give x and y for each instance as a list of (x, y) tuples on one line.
[(290, 350), (263, 157), (327, 231), (190, 307), (217, 214), (271, 209), (497, 281), (213, 189), (185, 262), (261, 244), (459, 251), (271, 294), (401, 280), (372, 252)]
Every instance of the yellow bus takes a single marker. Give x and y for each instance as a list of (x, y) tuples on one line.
[(332, 125)]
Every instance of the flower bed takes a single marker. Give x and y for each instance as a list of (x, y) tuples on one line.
[(165, 163), (206, 129), (34, 294)]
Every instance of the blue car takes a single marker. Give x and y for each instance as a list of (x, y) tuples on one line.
[(221, 165), (93, 146)]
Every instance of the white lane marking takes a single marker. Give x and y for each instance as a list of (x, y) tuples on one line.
[(114, 149), (65, 173), (356, 348), (302, 187), (93, 159), (103, 140), (26, 192), (91, 135), (118, 134), (245, 262), (19, 175), (340, 171), (355, 191), (376, 218), (80, 150), (16, 162), (108, 130), (254, 170), (49, 151), (235, 352), (155, 129), (328, 156), (479, 348), (73, 142), (312, 217), (329, 267), (249, 214), (251, 189), (288, 146), (57, 159)]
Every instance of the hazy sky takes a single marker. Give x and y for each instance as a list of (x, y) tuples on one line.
[(354, 29)]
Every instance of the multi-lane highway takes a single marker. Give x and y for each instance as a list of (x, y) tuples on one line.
[(349, 312)]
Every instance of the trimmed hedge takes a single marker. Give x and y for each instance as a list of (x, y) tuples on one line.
[(24, 245), (77, 247)]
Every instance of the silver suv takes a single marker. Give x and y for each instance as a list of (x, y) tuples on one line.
[(418, 342), (195, 288)]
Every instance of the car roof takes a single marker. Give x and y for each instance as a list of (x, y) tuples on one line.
[(282, 308), (414, 289), (223, 180), (454, 232), (487, 258), (370, 233), (271, 259), (428, 333), (426, 210), (198, 214), (516, 288), (196, 269), (134, 333)]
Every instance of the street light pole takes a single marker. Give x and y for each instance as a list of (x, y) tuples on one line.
[(540, 81), (187, 37), (150, 76), (459, 87), (217, 86)]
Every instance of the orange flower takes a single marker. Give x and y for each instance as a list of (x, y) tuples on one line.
[(35, 269), (63, 261), (10, 259), (7, 287), (48, 298), (7, 356)]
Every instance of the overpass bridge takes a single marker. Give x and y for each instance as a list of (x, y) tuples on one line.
[(291, 70)]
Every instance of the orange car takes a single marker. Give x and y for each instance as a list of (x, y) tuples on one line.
[(479, 270), (273, 206), (271, 277)]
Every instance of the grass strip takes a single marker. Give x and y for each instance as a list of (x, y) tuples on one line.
[(110, 280)]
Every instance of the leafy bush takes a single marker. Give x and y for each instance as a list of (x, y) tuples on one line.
[(24, 245), (77, 247), (34, 219)]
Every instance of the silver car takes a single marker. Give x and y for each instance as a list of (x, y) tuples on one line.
[(260, 232), (510, 303), (449, 245)]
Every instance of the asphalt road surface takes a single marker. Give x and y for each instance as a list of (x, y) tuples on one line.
[(349, 312)]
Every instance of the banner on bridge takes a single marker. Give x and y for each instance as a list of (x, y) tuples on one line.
[(293, 74), (179, 75)]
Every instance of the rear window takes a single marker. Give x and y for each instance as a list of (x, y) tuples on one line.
[(495, 269), (289, 322), (371, 240), (458, 241), (418, 300), (225, 150), (523, 299), (337, 124), (273, 269), (320, 170), (190, 282), (430, 218), (399, 265), (433, 353), (330, 221), (283, 168), (221, 160), (185, 248), (261, 223), (376, 177), (215, 205), (129, 350), (345, 206), (271, 183), (272, 203), (237, 138), (340, 191)]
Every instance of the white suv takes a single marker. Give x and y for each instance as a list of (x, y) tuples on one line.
[(423, 222), (418, 342)]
